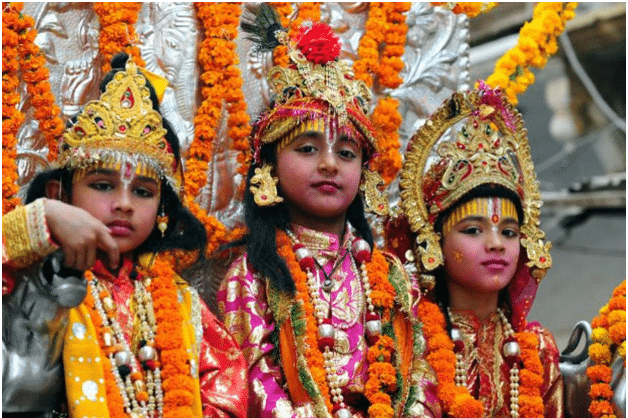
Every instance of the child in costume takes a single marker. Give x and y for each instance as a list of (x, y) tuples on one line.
[(471, 224), (128, 337), (323, 318)]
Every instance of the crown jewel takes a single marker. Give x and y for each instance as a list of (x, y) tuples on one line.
[(120, 127), (491, 148)]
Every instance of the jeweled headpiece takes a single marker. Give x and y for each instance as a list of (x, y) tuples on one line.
[(121, 130), (315, 86), (491, 148)]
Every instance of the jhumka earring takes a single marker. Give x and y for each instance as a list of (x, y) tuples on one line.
[(375, 200), (162, 222), (264, 187)]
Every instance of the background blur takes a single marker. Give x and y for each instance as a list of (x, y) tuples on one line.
[(575, 114)]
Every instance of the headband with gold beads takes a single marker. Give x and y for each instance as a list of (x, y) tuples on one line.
[(121, 131)]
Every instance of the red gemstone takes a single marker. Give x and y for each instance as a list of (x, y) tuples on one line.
[(480, 146), (431, 260), (122, 128), (263, 197), (326, 342), (307, 263), (458, 346), (372, 316), (542, 259)]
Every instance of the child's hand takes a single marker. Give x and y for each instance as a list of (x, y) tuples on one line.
[(79, 235)]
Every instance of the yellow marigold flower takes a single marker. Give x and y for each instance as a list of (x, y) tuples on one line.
[(601, 335), (600, 353), (621, 350), (604, 310), (616, 316), (498, 79)]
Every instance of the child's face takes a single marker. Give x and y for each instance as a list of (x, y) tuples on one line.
[(127, 208), (319, 178), (481, 252)]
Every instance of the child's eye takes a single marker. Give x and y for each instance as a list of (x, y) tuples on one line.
[(510, 233), (101, 186), (144, 192), (306, 149), (471, 230), (347, 154)]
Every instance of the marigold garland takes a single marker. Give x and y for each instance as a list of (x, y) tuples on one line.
[(220, 81), (471, 9), (456, 400), (117, 33), (386, 26), (178, 398), (12, 118), (608, 336), (382, 375), (537, 41), (305, 11)]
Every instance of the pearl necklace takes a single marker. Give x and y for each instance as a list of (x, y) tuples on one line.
[(139, 398), (360, 253), (511, 353)]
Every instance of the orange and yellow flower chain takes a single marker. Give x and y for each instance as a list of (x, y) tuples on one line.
[(20, 54), (609, 336), (117, 31), (537, 41)]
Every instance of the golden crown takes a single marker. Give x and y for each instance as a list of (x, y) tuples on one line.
[(491, 148), (121, 128), (315, 86)]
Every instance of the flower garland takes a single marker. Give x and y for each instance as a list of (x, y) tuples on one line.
[(220, 80), (382, 374), (117, 33), (385, 25), (19, 52), (12, 118), (280, 53), (178, 398), (305, 11), (471, 9), (456, 400), (609, 334), (537, 41)]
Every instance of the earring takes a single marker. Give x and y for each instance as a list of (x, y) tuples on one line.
[(162, 222), (264, 187), (375, 200)]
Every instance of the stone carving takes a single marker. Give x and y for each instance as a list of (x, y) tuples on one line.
[(436, 64)]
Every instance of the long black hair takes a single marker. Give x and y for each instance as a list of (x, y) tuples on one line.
[(184, 230), (263, 222), (440, 291)]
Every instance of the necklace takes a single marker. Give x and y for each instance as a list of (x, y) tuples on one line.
[(134, 379), (142, 393), (325, 331), (328, 283), (511, 354)]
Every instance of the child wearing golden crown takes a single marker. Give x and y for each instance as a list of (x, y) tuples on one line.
[(128, 337), (470, 229), (323, 318)]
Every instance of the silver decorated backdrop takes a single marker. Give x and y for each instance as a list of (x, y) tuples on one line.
[(436, 63)]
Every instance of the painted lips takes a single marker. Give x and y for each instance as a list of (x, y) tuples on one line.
[(120, 228), (326, 187), (495, 265)]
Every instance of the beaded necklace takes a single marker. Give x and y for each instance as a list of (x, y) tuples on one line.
[(141, 393), (325, 332), (510, 351)]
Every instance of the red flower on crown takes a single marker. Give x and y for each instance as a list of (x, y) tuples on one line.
[(318, 43)]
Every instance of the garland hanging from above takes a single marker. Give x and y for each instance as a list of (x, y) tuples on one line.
[(609, 336), (220, 80), (537, 41), (471, 9), (305, 11), (117, 33), (21, 55)]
